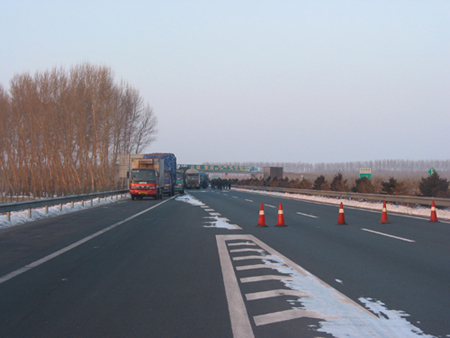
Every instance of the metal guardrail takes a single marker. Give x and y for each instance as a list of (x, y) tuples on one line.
[(440, 202), (8, 207)]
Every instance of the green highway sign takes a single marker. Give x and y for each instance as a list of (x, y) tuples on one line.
[(365, 172), (432, 171)]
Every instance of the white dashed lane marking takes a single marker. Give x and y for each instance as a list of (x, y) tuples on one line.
[(307, 215)]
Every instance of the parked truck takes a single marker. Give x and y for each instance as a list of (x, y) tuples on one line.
[(192, 179), (179, 184), (170, 170), (147, 178)]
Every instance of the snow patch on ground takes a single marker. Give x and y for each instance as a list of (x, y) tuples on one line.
[(218, 222), (189, 199), (215, 221), (341, 317), (20, 217)]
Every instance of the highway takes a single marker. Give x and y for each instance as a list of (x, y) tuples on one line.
[(197, 266)]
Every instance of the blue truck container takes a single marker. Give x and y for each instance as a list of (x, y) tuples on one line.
[(170, 171)]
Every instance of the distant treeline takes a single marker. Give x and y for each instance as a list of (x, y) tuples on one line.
[(380, 166), (62, 131)]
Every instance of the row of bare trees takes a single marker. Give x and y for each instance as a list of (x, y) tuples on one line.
[(62, 131)]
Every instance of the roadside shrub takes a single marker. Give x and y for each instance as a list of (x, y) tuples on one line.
[(434, 186), (305, 184), (320, 183), (338, 183), (364, 186)]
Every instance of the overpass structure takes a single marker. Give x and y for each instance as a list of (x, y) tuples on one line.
[(231, 169)]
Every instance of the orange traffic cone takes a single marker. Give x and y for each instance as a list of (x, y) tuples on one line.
[(341, 219), (433, 217), (280, 217), (384, 218), (262, 218)]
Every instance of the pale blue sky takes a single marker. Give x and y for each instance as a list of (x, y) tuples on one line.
[(311, 81)]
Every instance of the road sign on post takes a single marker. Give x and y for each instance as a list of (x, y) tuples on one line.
[(365, 172), (431, 171)]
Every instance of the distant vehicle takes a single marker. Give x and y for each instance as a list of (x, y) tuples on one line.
[(170, 170), (147, 178), (192, 179), (179, 184)]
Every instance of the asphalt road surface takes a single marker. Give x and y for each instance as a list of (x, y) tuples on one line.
[(197, 266)]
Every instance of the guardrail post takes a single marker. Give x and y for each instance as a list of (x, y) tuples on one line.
[(29, 213), (82, 203), (71, 204), (92, 202), (99, 200), (46, 209), (8, 216), (60, 207)]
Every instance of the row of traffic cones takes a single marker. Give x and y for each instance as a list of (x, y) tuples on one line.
[(384, 218), (262, 217), (341, 218)]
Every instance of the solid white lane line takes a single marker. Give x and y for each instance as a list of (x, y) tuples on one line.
[(387, 235), (240, 323), (275, 293), (307, 215), (265, 278), (259, 266), (72, 246)]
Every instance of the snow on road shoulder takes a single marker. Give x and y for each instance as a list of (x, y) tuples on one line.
[(20, 217), (376, 206)]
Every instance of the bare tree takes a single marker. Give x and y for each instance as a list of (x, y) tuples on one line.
[(63, 131)]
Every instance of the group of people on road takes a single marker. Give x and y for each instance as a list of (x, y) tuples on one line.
[(219, 183)]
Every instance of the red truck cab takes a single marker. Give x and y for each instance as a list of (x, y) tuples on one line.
[(145, 182)]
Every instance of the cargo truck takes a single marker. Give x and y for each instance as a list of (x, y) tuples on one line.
[(170, 170), (179, 184), (147, 178), (192, 179)]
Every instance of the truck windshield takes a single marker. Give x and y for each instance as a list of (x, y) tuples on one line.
[(179, 176), (143, 175)]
